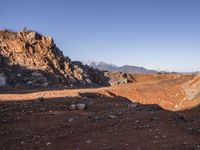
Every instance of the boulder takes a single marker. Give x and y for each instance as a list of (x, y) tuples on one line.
[(72, 107), (81, 106), (118, 78)]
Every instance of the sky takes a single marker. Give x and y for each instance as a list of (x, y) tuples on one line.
[(156, 34)]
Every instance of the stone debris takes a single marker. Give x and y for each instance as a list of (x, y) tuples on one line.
[(72, 107), (88, 141), (70, 119), (112, 116), (48, 143), (132, 105), (79, 106), (119, 78)]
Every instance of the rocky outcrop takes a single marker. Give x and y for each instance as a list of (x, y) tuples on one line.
[(119, 78), (192, 88), (31, 59)]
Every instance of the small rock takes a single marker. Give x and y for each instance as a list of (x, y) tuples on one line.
[(72, 107), (132, 105), (164, 136), (81, 106), (112, 116), (88, 141), (137, 121), (29, 82), (19, 75), (70, 119), (36, 73), (54, 112), (51, 112), (48, 143)]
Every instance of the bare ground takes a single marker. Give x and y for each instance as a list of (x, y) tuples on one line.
[(162, 120)]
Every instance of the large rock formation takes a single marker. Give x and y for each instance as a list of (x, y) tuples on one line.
[(30, 59)]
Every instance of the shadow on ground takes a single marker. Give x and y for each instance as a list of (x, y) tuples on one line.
[(106, 123), (20, 79)]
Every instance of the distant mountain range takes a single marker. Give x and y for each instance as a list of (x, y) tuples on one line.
[(113, 68)]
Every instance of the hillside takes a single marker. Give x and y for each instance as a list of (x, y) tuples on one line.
[(153, 109), (31, 59)]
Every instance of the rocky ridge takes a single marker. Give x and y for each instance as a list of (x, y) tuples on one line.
[(29, 58)]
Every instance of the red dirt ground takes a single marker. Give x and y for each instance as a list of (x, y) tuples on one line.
[(108, 122)]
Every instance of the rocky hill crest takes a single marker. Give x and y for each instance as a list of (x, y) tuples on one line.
[(29, 58)]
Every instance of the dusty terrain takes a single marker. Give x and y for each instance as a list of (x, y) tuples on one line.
[(48, 101), (151, 113)]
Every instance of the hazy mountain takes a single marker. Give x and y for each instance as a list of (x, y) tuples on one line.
[(114, 68)]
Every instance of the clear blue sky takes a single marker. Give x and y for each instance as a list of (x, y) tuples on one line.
[(156, 34)]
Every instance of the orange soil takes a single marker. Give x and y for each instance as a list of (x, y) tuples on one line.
[(164, 90), (108, 122)]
